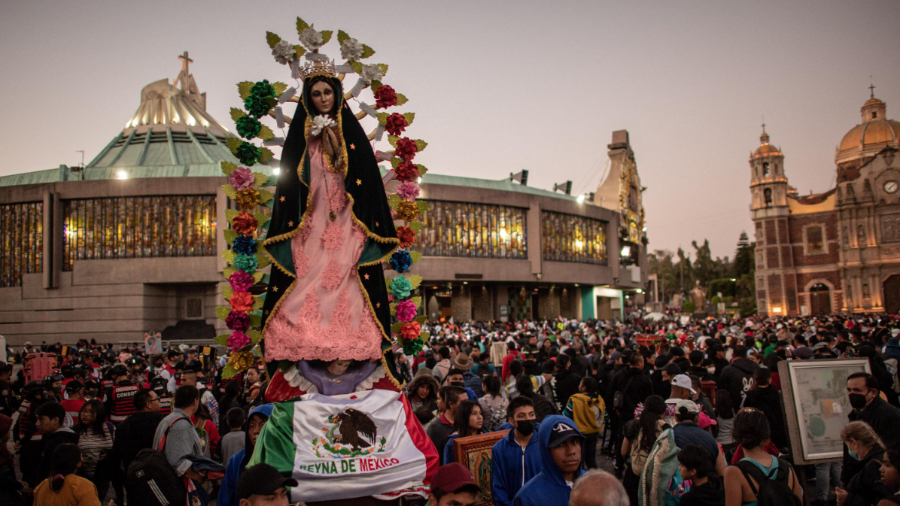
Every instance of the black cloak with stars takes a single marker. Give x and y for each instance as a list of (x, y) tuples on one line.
[(371, 212)]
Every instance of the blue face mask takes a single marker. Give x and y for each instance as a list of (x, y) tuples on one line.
[(853, 454)]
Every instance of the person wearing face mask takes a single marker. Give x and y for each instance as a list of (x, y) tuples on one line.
[(54, 384), (516, 457), (862, 392), (865, 488), (456, 378)]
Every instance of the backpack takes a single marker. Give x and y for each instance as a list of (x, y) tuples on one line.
[(151, 480), (773, 489), (472, 381), (659, 469)]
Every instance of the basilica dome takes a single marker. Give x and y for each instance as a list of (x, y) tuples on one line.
[(870, 137)]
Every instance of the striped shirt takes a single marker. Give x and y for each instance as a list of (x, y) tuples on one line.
[(92, 444)]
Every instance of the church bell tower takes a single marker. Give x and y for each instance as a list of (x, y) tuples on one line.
[(768, 184)]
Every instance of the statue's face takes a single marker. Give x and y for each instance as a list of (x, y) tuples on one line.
[(322, 97), (338, 367)]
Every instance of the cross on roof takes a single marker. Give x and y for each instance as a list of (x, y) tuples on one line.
[(872, 91), (184, 62)]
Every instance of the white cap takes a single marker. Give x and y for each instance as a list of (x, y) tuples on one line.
[(683, 381)]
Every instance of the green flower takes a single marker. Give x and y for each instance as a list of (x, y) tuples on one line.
[(400, 287), (263, 89), (248, 126), (258, 106), (248, 153), (246, 263)]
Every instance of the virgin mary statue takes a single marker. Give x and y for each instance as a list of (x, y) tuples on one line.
[(331, 230)]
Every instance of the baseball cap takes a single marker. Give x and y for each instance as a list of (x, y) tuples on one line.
[(690, 405), (616, 355), (451, 477), (561, 432), (683, 381), (803, 352), (262, 479)]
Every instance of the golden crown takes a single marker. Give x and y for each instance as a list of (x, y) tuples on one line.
[(318, 68)]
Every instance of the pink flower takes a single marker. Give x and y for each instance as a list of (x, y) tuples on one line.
[(408, 191), (241, 178), (241, 281), (406, 311), (237, 321), (238, 340)]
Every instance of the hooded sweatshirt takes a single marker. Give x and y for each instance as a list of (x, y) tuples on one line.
[(238, 462), (737, 379), (548, 488), (513, 466), (588, 412), (51, 442)]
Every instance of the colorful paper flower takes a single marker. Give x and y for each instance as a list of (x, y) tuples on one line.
[(408, 191), (395, 124), (407, 236), (248, 127), (241, 301), (242, 360), (244, 245), (351, 50), (410, 330), (240, 281), (407, 172), (370, 73), (385, 97), (401, 261), (284, 52), (263, 89), (311, 39), (237, 321), (246, 263), (241, 178), (406, 149), (257, 106), (247, 153), (408, 211), (401, 287), (238, 340), (412, 347), (247, 199), (245, 224), (406, 311)]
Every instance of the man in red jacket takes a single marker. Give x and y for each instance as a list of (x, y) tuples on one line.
[(508, 359)]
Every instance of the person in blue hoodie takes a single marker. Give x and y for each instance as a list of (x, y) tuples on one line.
[(256, 418), (561, 446), (516, 457)]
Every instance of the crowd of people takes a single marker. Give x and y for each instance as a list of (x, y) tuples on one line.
[(677, 411)]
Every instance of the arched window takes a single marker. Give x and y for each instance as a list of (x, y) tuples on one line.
[(765, 169), (767, 195)]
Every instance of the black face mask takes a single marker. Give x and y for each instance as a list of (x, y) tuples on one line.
[(457, 384), (525, 427), (858, 401)]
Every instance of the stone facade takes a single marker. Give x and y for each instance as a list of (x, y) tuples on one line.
[(838, 251)]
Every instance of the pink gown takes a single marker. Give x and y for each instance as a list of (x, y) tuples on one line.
[(326, 315)]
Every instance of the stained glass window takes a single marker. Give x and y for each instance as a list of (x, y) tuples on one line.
[(139, 227), (22, 239), (456, 229), (570, 238)]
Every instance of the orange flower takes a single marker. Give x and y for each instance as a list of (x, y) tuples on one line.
[(244, 224), (407, 236), (241, 301)]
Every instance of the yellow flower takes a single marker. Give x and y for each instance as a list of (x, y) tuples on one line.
[(247, 199), (242, 360), (408, 211)]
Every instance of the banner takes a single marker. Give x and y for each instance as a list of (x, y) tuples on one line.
[(346, 446)]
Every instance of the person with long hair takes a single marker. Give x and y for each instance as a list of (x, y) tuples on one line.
[(865, 487), (95, 440), (422, 392), (468, 422), (493, 403), (724, 418), (890, 475), (640, 434), (12, 491), (64, 487), (742, 481)]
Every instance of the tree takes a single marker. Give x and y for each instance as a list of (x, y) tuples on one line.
[(744, 263)]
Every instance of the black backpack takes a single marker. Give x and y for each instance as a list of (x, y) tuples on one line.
[(152, 481), (774, 489)]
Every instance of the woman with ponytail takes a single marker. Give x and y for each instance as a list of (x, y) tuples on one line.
[(64, 487)]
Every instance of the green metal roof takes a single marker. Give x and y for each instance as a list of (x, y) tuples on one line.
[(491, 184)]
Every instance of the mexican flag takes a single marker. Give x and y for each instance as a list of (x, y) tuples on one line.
[(347, 446)]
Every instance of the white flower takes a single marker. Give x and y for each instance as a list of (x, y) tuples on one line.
[(370, 73), (283, 52), (321, 123), (351, 50), (311, 39)]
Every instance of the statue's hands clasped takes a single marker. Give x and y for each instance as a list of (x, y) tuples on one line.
[(332, 145)]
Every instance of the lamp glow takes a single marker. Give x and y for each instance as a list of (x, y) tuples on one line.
[(276, 171), (580, 199), (121, 175), (626, 250)]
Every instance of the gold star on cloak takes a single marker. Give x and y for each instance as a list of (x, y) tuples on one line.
[(358, 182), (290, 224), (377, 304), (353, 146), (275, 289), (366, 276), (282, 198)]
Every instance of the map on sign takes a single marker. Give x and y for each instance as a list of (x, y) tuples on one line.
[(820, 398)]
